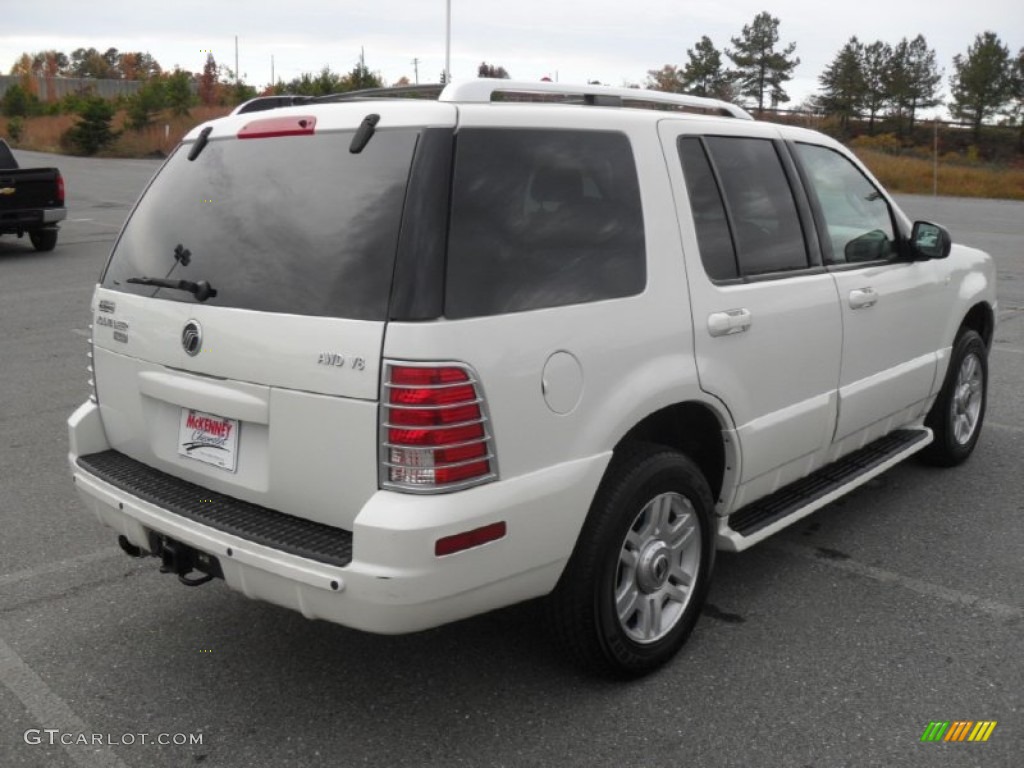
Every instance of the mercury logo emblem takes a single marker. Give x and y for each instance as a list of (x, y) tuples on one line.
[(192, 338)]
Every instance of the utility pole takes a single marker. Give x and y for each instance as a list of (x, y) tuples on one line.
[(273, 82), (448, 41), (416, 69), (236, 62)]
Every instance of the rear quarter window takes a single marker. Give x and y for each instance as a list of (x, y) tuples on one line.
[(293, 224), (542, 218)]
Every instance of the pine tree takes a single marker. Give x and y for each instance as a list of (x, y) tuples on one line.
[(982, 82), (490, 70), (703, 74), (92, 131), (876, 61), (843, 84), (760, 68), (913, 80)]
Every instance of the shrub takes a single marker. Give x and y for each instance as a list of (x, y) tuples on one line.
[(883, 142), (179, 92), (14, 128), (17, 102), (150, 99), (92, 132)]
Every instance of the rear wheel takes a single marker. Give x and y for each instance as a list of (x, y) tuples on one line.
[(958, 412), (633, 589), (43, 239)]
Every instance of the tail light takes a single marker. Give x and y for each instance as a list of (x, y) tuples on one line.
[(435, 435), (60, 188)]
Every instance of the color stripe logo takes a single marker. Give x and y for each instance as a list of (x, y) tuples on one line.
[(958, 730)]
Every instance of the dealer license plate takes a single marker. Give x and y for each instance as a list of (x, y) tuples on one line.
[(208, 438)]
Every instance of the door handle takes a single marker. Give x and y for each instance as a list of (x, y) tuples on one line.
[(729, 322), (862, 298)]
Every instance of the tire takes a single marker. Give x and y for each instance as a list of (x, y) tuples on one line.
[(43, 239), (648, 547), (959, 411)]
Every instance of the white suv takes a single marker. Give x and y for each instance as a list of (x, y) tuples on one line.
[(394, 362)]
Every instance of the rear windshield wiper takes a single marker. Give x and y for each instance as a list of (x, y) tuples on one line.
[(201, 290)]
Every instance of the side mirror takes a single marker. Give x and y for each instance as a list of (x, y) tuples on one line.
[(929, 241), (871, 246)]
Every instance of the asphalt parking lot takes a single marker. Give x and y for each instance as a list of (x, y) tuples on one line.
[(833, 644)]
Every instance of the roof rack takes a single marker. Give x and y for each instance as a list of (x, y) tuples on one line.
[(484, 89), (432, 90)]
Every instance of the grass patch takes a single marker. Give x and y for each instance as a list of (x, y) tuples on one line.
[(43, 134), (906, 171), (914, 175)]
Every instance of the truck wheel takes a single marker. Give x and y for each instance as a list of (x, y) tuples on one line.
[(958, 412), (634, 586), (43, 239)]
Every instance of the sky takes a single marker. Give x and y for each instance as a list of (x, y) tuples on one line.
[(572, 41)]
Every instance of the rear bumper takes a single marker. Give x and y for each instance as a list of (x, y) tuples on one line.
[(394, 582), (32, 218)]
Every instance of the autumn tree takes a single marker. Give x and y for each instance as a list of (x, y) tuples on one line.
[(137, 65), (982, 82), (703, 74), (23, 66), (760, 68), (669, 79), (490, 70), (208, 90)]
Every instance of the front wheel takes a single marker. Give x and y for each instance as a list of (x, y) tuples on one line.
[(634, 587), (43, 239), (958, 412)]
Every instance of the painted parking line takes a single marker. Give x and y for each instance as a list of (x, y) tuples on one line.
[(1004, 427), (67, 564), (51, 711), (992, 608)]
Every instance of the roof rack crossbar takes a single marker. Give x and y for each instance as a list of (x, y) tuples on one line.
[(483, 90)]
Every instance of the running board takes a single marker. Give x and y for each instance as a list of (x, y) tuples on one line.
[(760, 519)]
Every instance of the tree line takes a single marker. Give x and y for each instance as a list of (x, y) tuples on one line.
[(869, 79), (111, 64), (864, 80)]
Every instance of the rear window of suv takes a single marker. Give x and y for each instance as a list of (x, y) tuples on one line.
[(293, 224), (542, 218)]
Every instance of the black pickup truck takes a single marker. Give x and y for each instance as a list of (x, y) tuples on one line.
[(31, 200)]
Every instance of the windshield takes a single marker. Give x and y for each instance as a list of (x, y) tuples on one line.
[(293, 224)]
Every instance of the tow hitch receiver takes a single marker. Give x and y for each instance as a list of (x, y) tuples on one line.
[(181, 559)]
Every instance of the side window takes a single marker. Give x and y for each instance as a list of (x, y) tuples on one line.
[(542, 218), (713, 237), (858, 218), (760, 205)]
